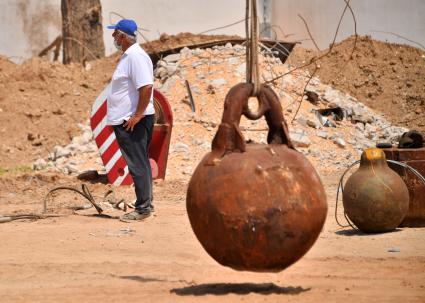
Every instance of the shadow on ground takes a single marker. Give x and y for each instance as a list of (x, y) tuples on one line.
[(93, 177), (142, 279), (355, 232), (237, 288)]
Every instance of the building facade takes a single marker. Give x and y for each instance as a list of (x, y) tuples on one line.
[(29, 26)]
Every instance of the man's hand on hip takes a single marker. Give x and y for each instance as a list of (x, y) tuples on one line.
[(144, 98), (129, 125)]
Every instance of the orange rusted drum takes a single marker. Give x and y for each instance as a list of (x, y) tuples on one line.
[(375, 198), (255, 207)]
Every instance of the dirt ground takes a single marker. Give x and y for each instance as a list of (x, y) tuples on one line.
[(89, 258)]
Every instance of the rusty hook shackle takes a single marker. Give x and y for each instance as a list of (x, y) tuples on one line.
[(229, 137)]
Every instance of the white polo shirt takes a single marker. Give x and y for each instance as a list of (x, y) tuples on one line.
[(134, 70)]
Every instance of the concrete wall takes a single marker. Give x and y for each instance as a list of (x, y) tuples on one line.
[(402, 17), (27, 26), (175, 16)]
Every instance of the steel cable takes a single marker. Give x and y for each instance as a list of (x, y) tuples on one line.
[(85, 192), (253, 69)]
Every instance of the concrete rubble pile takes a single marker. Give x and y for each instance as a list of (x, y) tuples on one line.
[(331, 128)]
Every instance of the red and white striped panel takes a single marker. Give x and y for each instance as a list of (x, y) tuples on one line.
[(116, 167)]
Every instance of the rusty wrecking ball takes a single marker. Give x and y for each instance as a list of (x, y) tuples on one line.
[(255, 207), (375, 198)]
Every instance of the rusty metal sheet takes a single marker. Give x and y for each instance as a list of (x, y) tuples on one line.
[(405, 154), (415, 158)]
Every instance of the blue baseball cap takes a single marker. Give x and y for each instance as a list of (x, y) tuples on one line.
[(125, 25)]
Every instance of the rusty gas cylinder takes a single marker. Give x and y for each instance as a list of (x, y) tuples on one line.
[(375, 198), (255, 207)]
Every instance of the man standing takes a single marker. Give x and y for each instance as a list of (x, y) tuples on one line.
[(131, 113)]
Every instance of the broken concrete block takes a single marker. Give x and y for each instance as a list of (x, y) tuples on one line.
[(179, 147), (302, 121), (39, 164), (322, 134), (299, 138), (219, 82), (228, 45), (160, 72), (233, 60), (241, 69), (197, 63), (314, 123), (359, 127), (172, 58), (340, 142), (185, 52), (60, 152)]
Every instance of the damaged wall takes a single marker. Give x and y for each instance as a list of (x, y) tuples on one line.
[(28, 26), (173, 17)]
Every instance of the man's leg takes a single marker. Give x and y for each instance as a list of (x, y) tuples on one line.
[(150, 133), (134, 147)]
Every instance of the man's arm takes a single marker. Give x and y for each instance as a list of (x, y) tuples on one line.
[(145, 93)]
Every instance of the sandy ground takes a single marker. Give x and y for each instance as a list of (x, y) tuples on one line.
[(90, 259)]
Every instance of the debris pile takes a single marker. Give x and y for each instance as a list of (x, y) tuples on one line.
[(74, 157), (44, 105), (331, 128), (387, 77)]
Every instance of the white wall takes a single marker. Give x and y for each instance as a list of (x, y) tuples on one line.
[(402, 17), (175, 16), (27, 26)]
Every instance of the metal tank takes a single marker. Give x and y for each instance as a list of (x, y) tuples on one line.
[(375, 198)]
